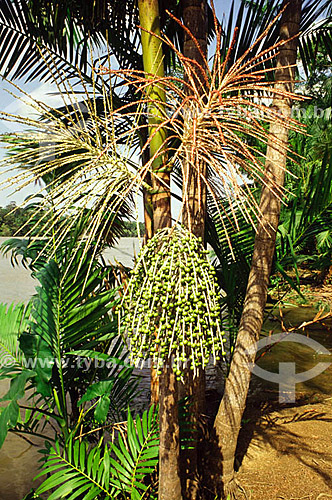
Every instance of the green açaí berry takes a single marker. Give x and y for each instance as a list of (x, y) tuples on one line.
[(171, 306)]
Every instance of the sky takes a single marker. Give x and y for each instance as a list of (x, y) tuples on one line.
[(12, 105), (44, 92)]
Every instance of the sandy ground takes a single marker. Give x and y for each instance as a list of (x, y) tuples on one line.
[(289, 456)]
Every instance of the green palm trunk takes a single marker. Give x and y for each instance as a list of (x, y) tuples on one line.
[(169, 474)]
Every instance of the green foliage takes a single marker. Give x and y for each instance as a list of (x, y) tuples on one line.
[(99, 391), (77, 470), (254, 16), (64, 343), (304, 236), (12, 219), (232, 268), (62, 33), (13, 322), (138, 457), (25, 252), (315, 41), (130, 229), (305, 232), (8, 419), (111, 470)]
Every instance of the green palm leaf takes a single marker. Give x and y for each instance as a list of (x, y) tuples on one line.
[(15, 365), (138, 456), (314, 36), (76, 472), (13, 322), (23, 31), (308, 222), (105, 471), (24, 252), (73, 335), (232, 268)]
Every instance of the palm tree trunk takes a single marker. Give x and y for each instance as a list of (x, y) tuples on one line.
[(147, 196), (149, 231), (157, 212), (169, 473), (194, 213), (228, 421), (195, 19)]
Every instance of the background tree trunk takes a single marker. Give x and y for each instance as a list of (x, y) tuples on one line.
[(169, 470), (228, 421), (194, 213)]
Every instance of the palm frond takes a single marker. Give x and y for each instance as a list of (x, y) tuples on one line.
[(212, 125), (77, 471), (15, 366), (13, 322), (65, 33), (10, 415), (71, 322), (27, 30), (136, 455), (80, 159), (250, 19), (306, 228), (105, 471), (315, 37), (68, 319), (24, 252), (232, 269)]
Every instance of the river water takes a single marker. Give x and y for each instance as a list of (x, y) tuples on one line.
[(19, 459), (18, 286)]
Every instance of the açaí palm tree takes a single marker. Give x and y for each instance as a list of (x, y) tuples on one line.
[(170, 486)]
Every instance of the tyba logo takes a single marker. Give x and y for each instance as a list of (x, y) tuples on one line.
[(287, 378)]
